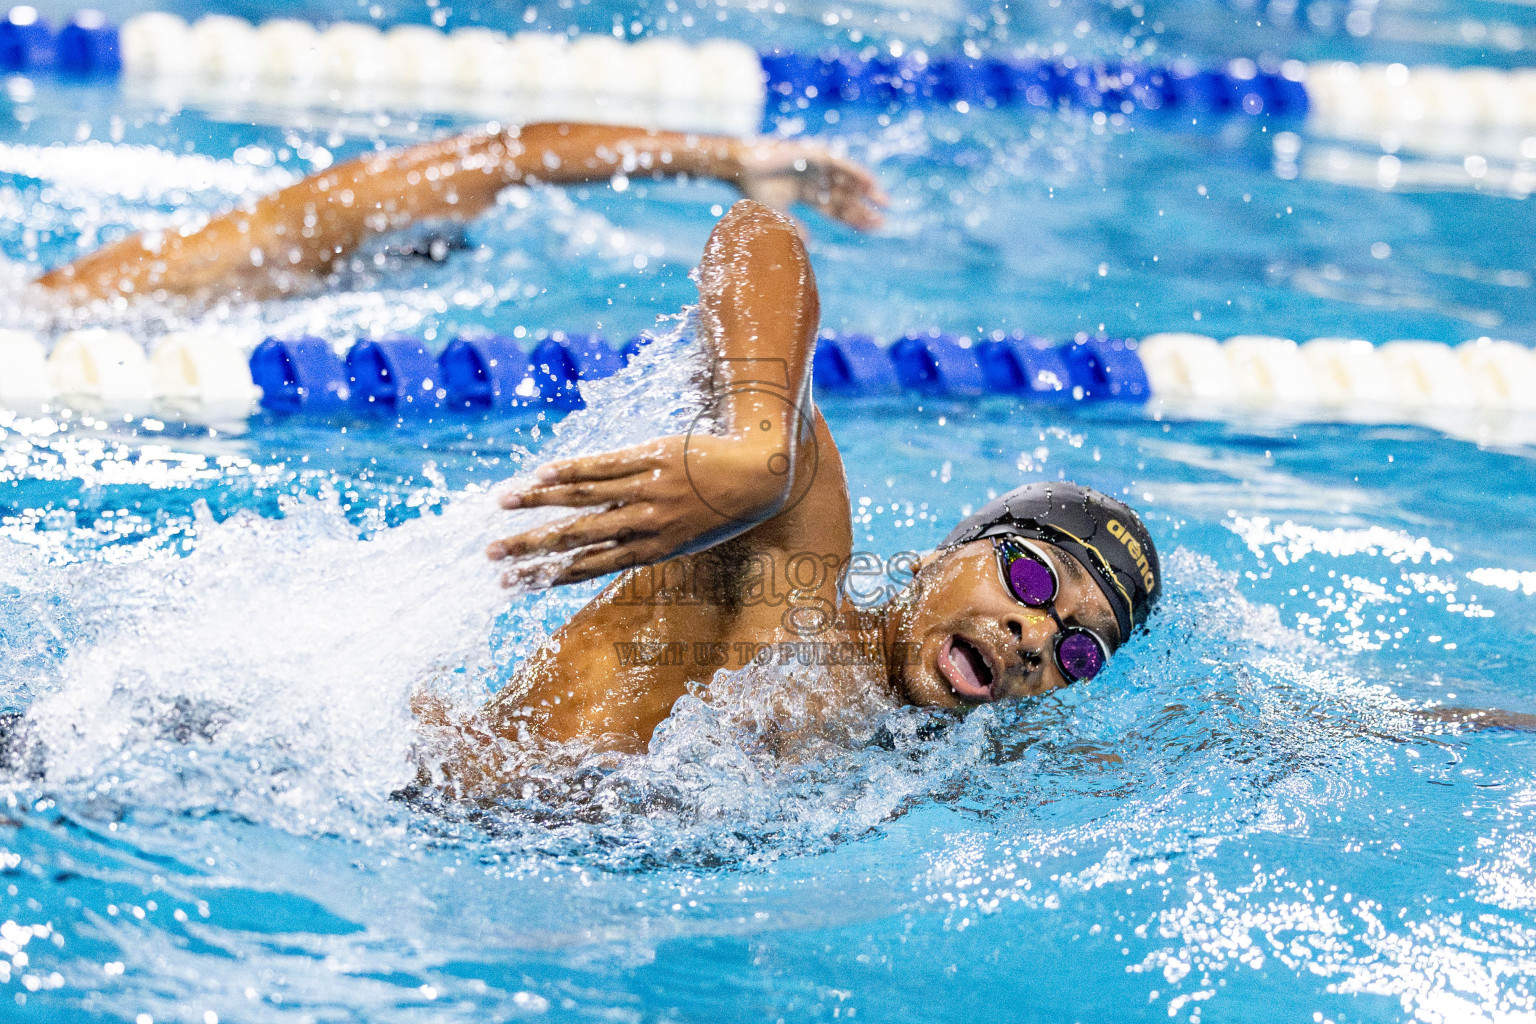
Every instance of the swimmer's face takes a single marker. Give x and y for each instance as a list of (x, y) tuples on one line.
[(970, 641)]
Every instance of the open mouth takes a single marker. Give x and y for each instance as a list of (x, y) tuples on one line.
[(965, 668)]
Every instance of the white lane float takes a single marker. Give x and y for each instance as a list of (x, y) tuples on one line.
[(1395, 93), (541, 64), (481, 62), (156, 45), (1428, 376), (288, 50), (1351, 379), (718, 85), (351, 54), (224, 48), (1188, 370), (1484, 389), (25, 381), (1269, 371), (419, 58), (103, 370), (1502, 374), (202, 377)]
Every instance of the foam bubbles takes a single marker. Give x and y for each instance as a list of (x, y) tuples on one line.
[(284, 651)]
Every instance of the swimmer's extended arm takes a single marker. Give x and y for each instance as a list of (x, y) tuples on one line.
[(276, 244), (758, 317)]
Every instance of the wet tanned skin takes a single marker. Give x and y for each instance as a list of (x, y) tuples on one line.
[(285, 243), (776, 472), (961, 593)]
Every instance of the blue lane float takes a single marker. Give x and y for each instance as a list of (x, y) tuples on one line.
[(394, 376), (26, 41), (1025, 364), (592, 355), (1107, 369), (560, 362), (299, 374), (88, 47), (482, 374), (933, 363), (853, 364), (493, 374), (556, 373), (839, 77), (632, 346), (398, 377)]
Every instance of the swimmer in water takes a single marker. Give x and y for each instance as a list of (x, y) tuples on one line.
[(734, 543), (291, 241), (738, 540)]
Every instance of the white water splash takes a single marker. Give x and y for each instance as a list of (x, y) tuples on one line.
[(291, 646), (1290, 542), (136, 173), (1505, 579)]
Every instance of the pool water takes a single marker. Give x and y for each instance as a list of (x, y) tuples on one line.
[(1256, 813)]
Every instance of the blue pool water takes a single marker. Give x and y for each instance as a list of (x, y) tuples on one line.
[(1254, 814)]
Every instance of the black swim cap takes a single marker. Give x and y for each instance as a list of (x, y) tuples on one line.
[(1100, 532)]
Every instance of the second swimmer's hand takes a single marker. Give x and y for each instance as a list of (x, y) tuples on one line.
[(779, 173), (658, 500)]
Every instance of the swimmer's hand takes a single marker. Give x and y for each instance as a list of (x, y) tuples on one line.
[(658, 500), (778, 173)]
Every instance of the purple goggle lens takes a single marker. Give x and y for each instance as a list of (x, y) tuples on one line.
[(1079, 656), (1031, 581), (1079, 653)]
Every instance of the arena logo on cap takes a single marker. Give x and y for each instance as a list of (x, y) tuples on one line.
[(1133, 546)]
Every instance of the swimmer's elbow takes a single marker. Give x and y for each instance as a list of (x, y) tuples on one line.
[(751, 214), (756, 236)]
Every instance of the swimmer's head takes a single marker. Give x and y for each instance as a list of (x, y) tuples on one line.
[(977, 623)]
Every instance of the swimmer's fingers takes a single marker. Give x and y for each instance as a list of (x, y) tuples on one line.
[(609, 465), (579, 495), (845, 191), (852, 211), (598, 561), (780, 175), (619, 525), (853, 195)]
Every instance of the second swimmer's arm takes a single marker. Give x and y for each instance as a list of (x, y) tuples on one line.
[(274, 245)]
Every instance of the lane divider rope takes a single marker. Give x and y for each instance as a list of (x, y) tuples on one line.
[(205, 377), (721, 81), (716, 85)]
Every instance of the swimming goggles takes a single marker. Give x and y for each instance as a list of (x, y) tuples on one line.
[(1031, 579)]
